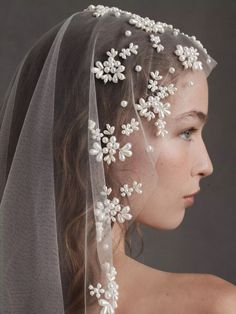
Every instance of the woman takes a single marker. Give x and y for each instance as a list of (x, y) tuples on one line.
[(94, 141)]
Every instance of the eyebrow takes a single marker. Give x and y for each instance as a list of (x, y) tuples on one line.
[(201, 116)]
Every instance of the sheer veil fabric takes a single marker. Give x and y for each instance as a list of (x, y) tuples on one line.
[(75, 156)]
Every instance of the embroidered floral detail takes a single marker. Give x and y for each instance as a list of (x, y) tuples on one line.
[(127, 51), (99, 230), (110, 210), (153, 84), (107, 297), (130, 127), (137, 186), (106, 191), (161, 127), (107, 153), (154, 104), (100, 10), (156, 43), (111, 69), (147, 24), (125, 152), (189, 57), (125, 190), (98, 290)]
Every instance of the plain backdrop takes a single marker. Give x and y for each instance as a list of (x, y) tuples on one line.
[(206, 239)]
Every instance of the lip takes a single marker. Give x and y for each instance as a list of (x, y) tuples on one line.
[(191, 195), (189, 201)]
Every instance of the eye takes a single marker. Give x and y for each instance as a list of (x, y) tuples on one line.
[(188, 132)]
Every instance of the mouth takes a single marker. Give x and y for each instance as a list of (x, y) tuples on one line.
[(189, 199), (192, 195)]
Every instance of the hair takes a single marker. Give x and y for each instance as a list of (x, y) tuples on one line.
[(71, 125)]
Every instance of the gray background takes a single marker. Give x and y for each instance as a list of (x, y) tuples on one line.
[(205, 241)]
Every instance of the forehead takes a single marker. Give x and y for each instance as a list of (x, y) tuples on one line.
[(189, 98)]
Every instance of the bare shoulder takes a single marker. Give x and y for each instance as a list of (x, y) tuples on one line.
[(199, 293), (222, 295)]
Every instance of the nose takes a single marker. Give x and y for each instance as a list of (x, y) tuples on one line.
[(203, 165)]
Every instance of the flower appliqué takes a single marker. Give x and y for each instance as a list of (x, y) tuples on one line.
[(127, 191), (154, 104), (130, 127), (156, 43), (107, 153), (107, 297), (109, 210), (189, 57), (111, 69)]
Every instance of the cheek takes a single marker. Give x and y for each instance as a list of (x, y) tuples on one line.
[(172, 165)]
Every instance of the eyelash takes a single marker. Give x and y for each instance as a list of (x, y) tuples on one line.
[(192, 130)]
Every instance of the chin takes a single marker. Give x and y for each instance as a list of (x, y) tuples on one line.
[(173, 222)]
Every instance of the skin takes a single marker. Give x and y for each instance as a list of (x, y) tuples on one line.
[(180, 161)]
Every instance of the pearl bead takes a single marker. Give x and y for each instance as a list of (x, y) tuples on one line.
[(171, 70), (105, 246), (117, 14), (190, 83), (128, 33), (124, 103), (149, 148), (138, 68), (208, 60), (175, 33)]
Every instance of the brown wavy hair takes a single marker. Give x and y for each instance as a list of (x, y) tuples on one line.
[(71, 127)]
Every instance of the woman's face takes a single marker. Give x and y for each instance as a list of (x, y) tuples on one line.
[(182, 155)]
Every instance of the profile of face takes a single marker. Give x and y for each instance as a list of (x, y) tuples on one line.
[(180, 158)]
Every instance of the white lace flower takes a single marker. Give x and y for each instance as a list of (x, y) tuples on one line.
[(96, 134), (100, 211), (110, 271), (111, 145), (137, 186), (98, 290), (146, 24), (156, 43), (107, 307), (162, 92), (123, 214), (189, 57), (142, 106), (99, 230), (171, 89), (97, 150), (106, 191), (161, 127), (112, 54), (127, 51), (98, 70), (125, 190), (110, 129), (112, 291), (163, 109), (155, 75), (153, 85), (125, 151), (110, 294), (109, 70), (130, 127), (99, 10)]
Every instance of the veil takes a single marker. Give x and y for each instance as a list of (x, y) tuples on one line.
[(75, 155)]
